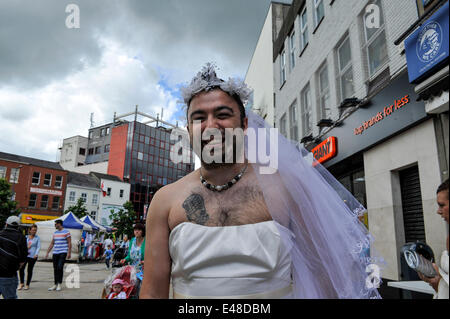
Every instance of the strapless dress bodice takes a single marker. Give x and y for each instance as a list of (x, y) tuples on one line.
[(245, 261)]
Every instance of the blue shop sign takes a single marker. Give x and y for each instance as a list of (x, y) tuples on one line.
[(427, 47)]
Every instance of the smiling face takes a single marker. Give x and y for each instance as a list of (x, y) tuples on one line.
[(442, 201), (213, 111)]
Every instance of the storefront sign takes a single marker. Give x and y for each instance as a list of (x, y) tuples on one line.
[(428, 45), (386, 112), (325, 150), (32, 218), (45, 191), (400, 109)]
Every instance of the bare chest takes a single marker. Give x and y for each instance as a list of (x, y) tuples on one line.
[(236, 206)]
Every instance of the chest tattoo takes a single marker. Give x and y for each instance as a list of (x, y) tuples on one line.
[(195, 209)]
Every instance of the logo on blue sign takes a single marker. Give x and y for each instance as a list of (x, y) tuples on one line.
[(429, 42)]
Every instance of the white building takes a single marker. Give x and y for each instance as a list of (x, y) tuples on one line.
[(85, 187), (115, 193), (260, 71), (73, 152)]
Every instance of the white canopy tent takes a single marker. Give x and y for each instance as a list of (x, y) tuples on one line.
[(72, 223)]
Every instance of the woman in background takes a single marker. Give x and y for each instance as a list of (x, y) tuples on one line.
[(33, 245)]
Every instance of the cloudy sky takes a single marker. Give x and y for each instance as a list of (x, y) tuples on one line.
[(125, 53)]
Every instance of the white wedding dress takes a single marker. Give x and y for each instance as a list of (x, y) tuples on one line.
[(245, 261)]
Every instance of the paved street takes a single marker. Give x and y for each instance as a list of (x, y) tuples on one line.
[(91, 278)]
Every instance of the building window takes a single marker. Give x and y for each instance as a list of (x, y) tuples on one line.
[(140, 156), (14, 177), (94, 199), (93, 214), (306, 111), (91, 151), (55, 203), (375, 47), (44, 201), (292, 50), (283, 68), (107, 130), (345, 70), (72, 195), (91, 134), (102, 132), (58, 181), (293, 126), (107, 148), (98, 150), (121, 193), (304, 38), (32, 201), (36, 179), (283, 125), (84, 197), (2, 171), (324, 94), (47, 180), (82, 151), (108, 191), (319, 12)]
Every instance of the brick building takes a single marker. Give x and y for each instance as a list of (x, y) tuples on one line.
[(38, 186)]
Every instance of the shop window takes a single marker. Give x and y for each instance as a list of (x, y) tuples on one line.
[(36, 179)]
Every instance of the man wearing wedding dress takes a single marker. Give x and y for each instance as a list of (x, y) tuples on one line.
[(212, 233)]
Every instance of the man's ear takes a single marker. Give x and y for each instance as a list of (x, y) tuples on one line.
[(245, 127)]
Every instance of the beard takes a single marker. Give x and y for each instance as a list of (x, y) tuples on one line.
[(215, 154)]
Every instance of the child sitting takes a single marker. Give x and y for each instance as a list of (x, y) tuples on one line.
[(117, 290)]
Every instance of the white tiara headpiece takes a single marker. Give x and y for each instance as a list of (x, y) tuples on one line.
[(207, 80)]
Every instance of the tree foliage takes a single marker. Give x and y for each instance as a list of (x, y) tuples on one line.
[(8, 207), (124, 219), (79, 209)]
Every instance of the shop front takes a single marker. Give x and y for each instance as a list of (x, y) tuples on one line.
[(386, 155)]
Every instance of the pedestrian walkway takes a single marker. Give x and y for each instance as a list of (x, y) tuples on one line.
[(91, 278)]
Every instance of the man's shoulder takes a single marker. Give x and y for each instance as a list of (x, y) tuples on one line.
[(167, 192)]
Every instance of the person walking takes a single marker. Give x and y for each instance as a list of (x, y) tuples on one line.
[(108, 254), (34, 246), (62, 247), (13, 254)]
